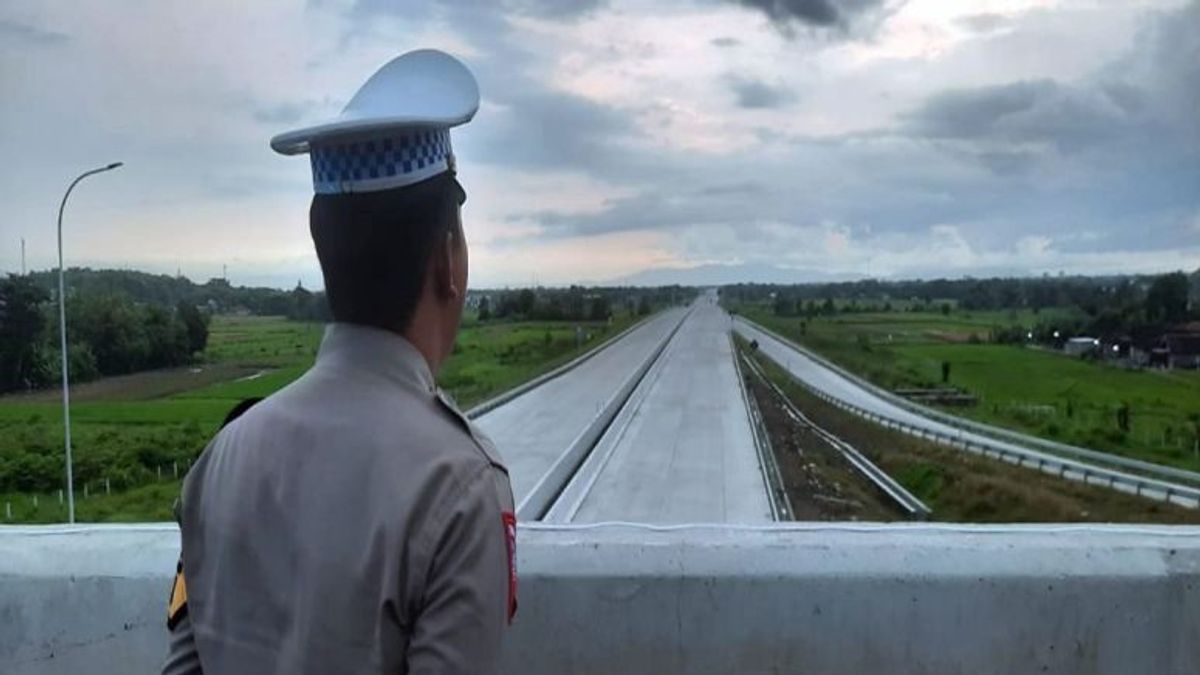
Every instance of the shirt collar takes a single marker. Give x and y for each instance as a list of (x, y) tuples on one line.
[(378, 351)]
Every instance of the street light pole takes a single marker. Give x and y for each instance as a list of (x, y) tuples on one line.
[(62, 331)]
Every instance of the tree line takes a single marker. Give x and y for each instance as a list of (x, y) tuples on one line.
[(107, 334), (1129, 304), (1091, 294), (216, 296), (575, 303)]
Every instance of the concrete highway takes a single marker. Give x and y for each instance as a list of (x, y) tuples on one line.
[(832, 382), (682, 450), (533, 430)]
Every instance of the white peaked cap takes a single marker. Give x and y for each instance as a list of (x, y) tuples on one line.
[(396, 129)]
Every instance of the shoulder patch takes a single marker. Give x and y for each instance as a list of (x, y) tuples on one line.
[(510, 539), (177, 604)]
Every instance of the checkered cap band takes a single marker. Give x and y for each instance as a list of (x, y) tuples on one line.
[(367, 165)]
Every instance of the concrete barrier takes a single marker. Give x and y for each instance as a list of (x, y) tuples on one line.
[(815, 598)]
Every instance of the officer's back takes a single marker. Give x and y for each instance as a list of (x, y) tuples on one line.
[(354, 521)]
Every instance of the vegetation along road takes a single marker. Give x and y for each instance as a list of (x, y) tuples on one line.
[(133, 434)]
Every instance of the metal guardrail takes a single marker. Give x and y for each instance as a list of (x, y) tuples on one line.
[(781, 504), (1183, 495), (908, 502), (1167, 473), (541, 498)]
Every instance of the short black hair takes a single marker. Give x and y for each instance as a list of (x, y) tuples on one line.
[(240, 409), (374, 247)]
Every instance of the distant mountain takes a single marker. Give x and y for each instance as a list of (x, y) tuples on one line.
[(721, 275), (726, 275)]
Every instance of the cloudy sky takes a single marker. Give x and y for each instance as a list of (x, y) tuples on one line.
[(653, 140)]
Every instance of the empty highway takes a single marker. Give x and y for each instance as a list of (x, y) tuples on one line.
[(682, 450), (534, 429)]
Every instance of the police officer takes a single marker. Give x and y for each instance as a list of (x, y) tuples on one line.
[(355, 521)]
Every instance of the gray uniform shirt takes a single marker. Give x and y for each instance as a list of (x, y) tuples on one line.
[(353, 522)]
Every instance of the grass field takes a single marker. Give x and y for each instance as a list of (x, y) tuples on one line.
[(137, 431), (1037, 391)]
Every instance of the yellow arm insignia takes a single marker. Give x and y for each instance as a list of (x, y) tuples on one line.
[(177, 606)]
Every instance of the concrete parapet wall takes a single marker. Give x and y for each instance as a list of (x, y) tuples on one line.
[(838, 598)]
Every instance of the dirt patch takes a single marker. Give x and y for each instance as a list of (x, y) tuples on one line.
[(820, 483), (961, 487), (142, 386), (955, 337)]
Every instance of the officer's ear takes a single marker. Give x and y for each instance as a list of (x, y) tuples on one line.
[(449, 263)]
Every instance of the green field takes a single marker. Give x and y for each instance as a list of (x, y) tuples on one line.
[(1038, 391), (137, 431)]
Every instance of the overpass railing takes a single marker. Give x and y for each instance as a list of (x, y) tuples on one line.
[(819, 598)]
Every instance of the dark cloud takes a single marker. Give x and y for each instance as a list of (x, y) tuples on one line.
[(31, 34), (726, 42), (787, 14), (1139, 108), (543, 129), (984, 23), (742, 188), (284, 113), (1173, 70), (752, 93), (551, 9), (555, 9), (1038, 111)]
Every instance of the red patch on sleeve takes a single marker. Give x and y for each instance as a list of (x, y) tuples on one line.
[(510, 539)]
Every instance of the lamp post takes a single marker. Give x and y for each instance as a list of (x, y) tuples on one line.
[(62, 331)]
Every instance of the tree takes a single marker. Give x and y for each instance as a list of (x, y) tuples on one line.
[(485, 308), (81, 363), (600, 309), (1167, 299), (166, 338), (112, 327), (22, 327), (526, 300), (196, 325)]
